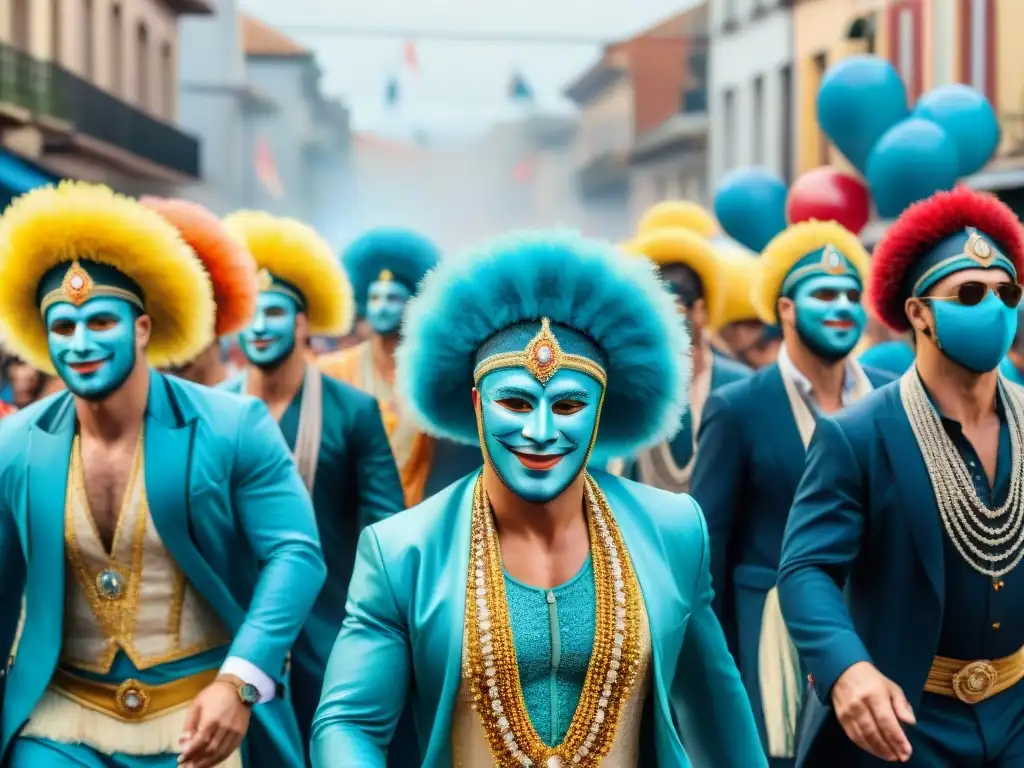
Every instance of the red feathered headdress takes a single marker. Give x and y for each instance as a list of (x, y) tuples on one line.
[(232, 270), (923, 226)]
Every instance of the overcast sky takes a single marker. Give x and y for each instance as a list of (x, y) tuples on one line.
[(461, 86)]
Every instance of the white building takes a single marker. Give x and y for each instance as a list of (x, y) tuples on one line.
[(751, 75)]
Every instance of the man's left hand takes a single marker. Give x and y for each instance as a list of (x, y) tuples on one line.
[(216, 724)]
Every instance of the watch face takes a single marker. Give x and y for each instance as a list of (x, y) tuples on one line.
[(249, 694)]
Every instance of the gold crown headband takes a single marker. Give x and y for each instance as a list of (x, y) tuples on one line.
[(267, 283), (78, 287), (543, 358)]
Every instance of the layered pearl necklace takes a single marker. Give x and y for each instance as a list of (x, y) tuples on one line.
[(491, 668), (991, 541)]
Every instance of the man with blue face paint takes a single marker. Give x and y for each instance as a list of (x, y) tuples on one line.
[(333, 429), (899, 578), (535, 613), (751, 448), (691, 269), (158, 532), (386, 266)]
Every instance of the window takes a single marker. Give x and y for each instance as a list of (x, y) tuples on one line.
[(786, 134), (88, 44), (116, 51), (905, 43), (820, 68), (757, 132), (55, 29), (977, 45), (167, 81), (729, 118), (20, 24), (142, 82)]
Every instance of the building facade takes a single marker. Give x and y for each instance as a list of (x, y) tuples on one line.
[(88, 89), (751, 93)]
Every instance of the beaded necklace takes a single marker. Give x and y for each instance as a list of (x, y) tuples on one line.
[(491, 668), (991, 541)]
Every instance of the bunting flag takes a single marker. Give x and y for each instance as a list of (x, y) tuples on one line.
[(411, 57), (523, 171), (266, 168), (519, 89), (392, 93)]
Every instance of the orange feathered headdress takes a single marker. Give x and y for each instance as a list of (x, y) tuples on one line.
[(231, 269)]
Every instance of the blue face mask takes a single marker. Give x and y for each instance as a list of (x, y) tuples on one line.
[(92, 346), (270, 338), (537, 438), (829, 315), (385, 305), (977, 337)]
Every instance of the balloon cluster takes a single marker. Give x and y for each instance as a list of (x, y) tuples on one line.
[(905, 155)]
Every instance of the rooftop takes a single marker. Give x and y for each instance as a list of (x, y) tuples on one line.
[(261, 39)]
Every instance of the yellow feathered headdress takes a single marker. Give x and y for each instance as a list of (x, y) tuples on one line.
[(739, 273), (73, 221), (290, 251), (678, 214), (682, 246)]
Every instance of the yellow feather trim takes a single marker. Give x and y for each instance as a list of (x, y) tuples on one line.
[(50, 226), (682, 246), (791, 245), (678, 214), (294, 252), (739, 274)]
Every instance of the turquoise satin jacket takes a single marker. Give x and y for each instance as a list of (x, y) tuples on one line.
[(230, 507), (402, 637)]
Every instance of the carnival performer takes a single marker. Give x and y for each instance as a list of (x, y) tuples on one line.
[(752, 445), (232, 274), (734, 328), (386, 266), (158, 530), (884, 350), (898, 578), (535, 613), (691, 269), (333, 429)]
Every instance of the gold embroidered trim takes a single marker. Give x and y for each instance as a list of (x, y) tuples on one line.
[(491, 668), (543, 358)]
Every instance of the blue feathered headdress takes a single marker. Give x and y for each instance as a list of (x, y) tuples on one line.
[(407, 255), (618, 303)]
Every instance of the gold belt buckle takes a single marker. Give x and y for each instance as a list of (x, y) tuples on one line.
[(132, 698), (975, 681)]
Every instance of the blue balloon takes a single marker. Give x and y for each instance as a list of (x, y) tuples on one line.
[(910, 162), (966, 115), (750, 205), (860, 98)]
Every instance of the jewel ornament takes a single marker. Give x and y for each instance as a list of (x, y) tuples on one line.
[(266, 280), (832, 261), (77, 285), (491, 668), (543, 358), (132, 699), (110, 584)]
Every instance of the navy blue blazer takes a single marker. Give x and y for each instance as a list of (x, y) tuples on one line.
[(862, 575)]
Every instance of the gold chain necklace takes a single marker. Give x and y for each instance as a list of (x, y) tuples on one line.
[(491, 668)]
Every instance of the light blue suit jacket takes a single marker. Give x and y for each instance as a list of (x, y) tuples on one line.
[(403, 634), (229, 505)]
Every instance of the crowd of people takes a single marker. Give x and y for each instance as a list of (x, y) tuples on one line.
[(550, 502)]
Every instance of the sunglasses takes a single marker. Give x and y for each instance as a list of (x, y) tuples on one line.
[(972, 293)]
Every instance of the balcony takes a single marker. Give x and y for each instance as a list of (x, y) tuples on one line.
[(78, 118), (606, 175)]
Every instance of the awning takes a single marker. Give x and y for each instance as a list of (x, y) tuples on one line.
[(18, 176)]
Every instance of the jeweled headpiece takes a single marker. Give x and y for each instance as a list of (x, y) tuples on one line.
[(543, 358), (78, 286)]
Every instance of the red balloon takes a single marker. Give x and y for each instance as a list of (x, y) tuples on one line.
[(826, 194)]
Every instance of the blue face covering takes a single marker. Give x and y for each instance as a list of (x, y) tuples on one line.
[(827, 321), (977, 337), (270, 338), (385, 305), (92, 346), (522, 417)]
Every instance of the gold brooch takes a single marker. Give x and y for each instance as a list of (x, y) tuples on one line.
[(975, 682), (543, 358), (832, 261), (266, 279), (77, 284), (385, 276), (543, 354), (978, 249)]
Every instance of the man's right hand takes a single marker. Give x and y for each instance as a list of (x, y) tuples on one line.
[(871, 708)]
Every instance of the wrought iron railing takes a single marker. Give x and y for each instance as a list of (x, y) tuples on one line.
[(50, 91)]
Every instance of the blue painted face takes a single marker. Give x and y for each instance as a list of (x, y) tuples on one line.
[(270, 338), (385, 305), (829, 316), (92, 346), (536, 437)]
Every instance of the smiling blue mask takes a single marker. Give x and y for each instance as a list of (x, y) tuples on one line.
[(540, 404), (270, 338), (385, 305), (829, 316), (92, 345)]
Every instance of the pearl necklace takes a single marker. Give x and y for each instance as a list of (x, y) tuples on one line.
[(491, 668), (989, 540)]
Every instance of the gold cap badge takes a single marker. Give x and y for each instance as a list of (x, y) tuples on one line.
[(832, 261), (77, 284), (385, 276), (978, 249), (266, 279)]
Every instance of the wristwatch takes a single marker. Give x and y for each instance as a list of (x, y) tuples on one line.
[(249, 694)]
